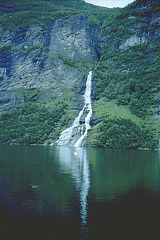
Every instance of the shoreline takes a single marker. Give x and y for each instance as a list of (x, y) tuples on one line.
[(44, 145)]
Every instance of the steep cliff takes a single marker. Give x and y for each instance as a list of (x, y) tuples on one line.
[(45, 57), (47, 49), (52, 59)]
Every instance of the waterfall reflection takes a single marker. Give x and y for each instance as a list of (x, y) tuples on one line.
[(75, 162)]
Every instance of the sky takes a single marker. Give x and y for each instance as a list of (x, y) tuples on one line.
[(110, 3)]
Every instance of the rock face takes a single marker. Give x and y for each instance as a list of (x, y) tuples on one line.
[(133, 41), (41, 63), (74, 39), (48, 59)]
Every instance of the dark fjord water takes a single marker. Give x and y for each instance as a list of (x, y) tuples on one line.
[(61, 193)]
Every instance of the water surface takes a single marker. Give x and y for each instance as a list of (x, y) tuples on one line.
[(78, 193)]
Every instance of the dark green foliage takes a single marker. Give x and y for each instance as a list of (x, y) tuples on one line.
[(122, 133), (29, 124), (131, 20), (68, 61), (5, 49), (130, 76), (139, 3), (23, 13)]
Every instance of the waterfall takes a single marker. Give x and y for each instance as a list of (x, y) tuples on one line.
[(75, 134), (88, 107)]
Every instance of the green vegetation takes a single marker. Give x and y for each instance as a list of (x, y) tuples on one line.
[(80, 64), (110, 109), (131, 76), (131, 20), (28, 95), (30, 124), (23, 13), (123, 122), (122, 133), (5, 49), (127, 80)]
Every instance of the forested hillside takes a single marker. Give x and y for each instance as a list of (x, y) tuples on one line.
[(21, 14), (47, 49), (127, 78), (132, 56)]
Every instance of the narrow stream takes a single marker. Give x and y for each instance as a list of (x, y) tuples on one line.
[(74, 135)]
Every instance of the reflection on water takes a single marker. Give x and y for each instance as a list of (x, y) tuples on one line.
[(75, 162), (118, 171), (49, 193)]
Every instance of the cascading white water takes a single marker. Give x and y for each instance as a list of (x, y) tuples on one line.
[(88, 105), (68, 135)]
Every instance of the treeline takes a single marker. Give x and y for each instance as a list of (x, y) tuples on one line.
[(29, 124), (122, 133), (23, 13)]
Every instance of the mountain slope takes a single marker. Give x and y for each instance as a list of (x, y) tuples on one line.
[(128, 78), (47, 49)]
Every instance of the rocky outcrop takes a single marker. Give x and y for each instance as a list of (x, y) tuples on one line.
[(145, 33), (49, 59), (133, 41)]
